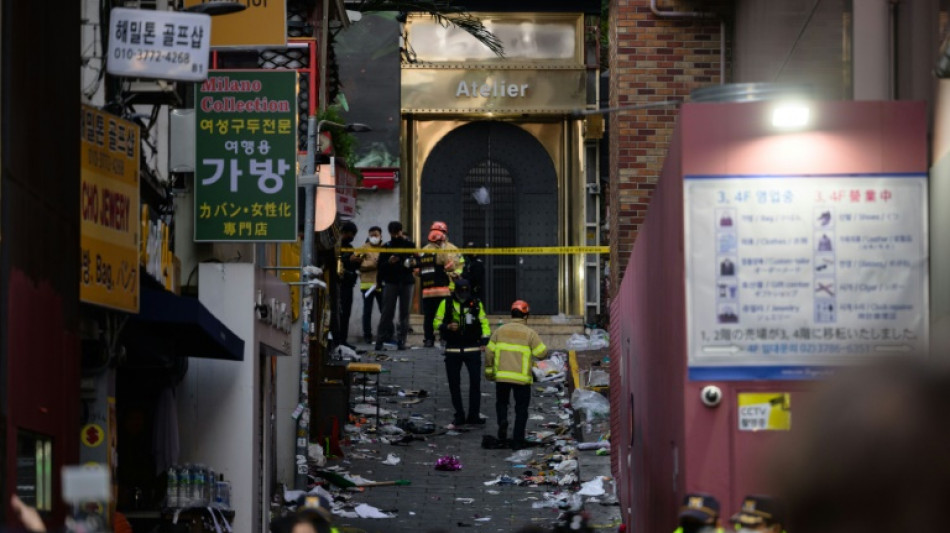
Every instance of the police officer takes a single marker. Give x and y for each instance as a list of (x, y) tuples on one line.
[(464, 327), (760, 513), (699, 514), (507, 363)]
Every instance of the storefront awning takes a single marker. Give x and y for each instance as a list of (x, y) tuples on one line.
[(381, 178), (181, 326)]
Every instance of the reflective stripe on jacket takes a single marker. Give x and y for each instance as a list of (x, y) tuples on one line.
[(437, 272), (473, 327), (509, 352)]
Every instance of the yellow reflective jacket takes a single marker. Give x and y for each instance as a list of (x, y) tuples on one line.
[(509, 351)]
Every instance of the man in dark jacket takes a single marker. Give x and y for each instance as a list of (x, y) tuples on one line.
[(395, 273), (474, 271), (349, 268), (464, 327)]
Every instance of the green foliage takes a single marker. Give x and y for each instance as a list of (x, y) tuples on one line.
[(344, 142), (444, 11)]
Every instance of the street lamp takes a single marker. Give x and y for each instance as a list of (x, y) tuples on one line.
[(216, 7), (306, 254)]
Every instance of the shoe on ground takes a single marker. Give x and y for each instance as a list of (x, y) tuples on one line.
[(378, 347), (428, 343), (457, 422), (368, 339), (402, 347), (476, 421)]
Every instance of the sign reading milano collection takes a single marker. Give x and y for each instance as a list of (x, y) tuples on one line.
[(245, 155)]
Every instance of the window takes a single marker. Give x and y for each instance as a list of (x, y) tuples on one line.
[(34, 466)]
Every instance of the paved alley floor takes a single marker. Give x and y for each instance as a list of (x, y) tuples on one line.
[(448, 501)]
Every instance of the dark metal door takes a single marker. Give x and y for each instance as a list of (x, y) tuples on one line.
[(508, 167)]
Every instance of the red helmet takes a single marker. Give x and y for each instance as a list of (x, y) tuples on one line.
[(439, 226), (521, 305), (436, 236)]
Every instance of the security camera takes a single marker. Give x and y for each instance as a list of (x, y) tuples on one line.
[(711, 396)]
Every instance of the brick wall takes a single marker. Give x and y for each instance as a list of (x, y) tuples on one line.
[(651, 59)]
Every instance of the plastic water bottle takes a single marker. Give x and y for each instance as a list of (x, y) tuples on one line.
[(184, 486), (210, 481), (171, 492), (197, 486)]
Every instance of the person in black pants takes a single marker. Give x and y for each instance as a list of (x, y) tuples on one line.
[(395, 272), (464, 327), (350, 264)]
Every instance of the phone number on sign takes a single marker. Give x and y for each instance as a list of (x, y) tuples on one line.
[(153, 56)]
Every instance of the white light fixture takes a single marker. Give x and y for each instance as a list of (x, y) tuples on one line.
[(790, 115)]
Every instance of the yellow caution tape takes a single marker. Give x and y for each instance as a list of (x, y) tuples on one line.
[(524, 250)]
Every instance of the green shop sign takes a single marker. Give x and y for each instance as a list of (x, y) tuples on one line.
[(246, 156)]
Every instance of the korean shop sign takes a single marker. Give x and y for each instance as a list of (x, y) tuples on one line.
[(158, 44), (262, 24), (245, 155), (109, 223)]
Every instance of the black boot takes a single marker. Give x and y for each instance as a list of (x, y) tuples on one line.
[(502, 432)]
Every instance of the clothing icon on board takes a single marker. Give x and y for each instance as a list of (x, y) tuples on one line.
[(727, 268), (824, 311), (727, 291), (824, 243), (726, 218), (727, 315), (824, 218)]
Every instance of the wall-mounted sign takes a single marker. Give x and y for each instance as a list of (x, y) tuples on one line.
[(145, 43), (245, 156), (156, 254), (765, 411), (541, 90), (262, 24), (109, 195), (787, 275)]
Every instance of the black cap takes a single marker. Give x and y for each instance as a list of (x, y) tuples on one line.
[(699, 507), (348, 226), (758, 509), (462, 283)]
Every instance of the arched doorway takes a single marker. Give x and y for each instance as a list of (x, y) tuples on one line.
[(520, 186)]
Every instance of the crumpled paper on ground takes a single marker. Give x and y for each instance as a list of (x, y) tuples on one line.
[(392, 460), (594, 487), (368, 511)]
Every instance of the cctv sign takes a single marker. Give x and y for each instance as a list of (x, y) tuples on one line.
[(158, 44)]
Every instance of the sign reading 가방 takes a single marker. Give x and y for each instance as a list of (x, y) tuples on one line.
[(145, 43), (245, 155), (109, 196), (787, 275)]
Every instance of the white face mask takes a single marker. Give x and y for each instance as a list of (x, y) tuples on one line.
[(374, 240)]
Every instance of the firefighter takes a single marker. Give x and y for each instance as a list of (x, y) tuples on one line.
[(464, 327), (508, 364), (437, 274)]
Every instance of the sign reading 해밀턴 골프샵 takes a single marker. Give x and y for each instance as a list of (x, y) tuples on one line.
[(245, 156)]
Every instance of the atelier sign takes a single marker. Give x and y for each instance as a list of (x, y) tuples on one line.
[(542, 90)]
